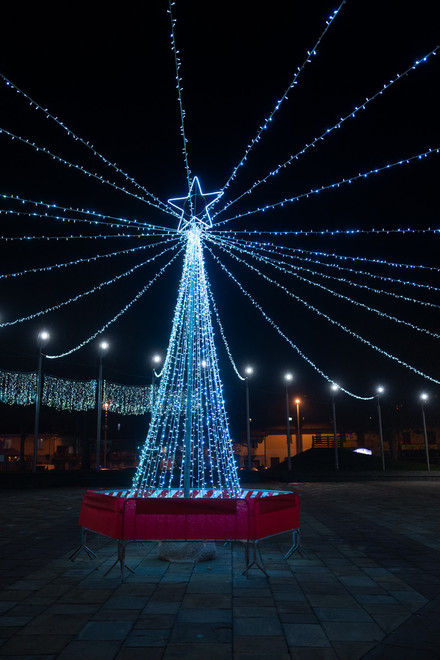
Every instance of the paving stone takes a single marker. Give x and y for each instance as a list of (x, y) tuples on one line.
[(106, 630), (307, 634), (202, 632), (90, 650), (147, 638), (356, 631), (195, 652)]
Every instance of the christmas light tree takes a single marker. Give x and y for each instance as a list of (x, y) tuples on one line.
[(188, 445)]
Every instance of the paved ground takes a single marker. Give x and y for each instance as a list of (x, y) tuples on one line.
[(366, 584)]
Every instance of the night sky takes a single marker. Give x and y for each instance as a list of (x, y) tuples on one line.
[(111, 79)]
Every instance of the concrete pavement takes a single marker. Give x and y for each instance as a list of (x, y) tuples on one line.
[(365, 584)]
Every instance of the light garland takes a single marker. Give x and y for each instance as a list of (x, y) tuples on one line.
[(389, 317), (265, 125), (119, 314), (18, 388), (63, 394), (96, 288), (127, 399), (87, 144), (338, 184), (350, 115)]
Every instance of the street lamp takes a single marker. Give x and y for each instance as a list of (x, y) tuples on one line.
[(156, 360), (103, 347), (334, 388), (248, 371), (298, 428), (43, 338), (423, 399), (380, 390), (287, 380), (106, 407)]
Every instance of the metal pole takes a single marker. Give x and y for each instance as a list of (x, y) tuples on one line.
[(379, 415), (105, 432), (99, 418), (426, 439), (248, 426), (189, 369), (298, 431), (37, 406), (335, 434), (289, 460)]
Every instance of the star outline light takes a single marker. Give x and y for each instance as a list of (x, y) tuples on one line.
[(190, 204)]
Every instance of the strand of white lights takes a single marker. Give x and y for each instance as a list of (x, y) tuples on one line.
[(83, 170), (222, 332), (92, 237), (327, 318), (338, 184), (123, 222), (96, 288), (119, 314), (70, 220), (86, 143), (290, 267), (323, 288), (188, 440), (366, 273), (265, 125), (281, 333), (83, 260), (231, 233), (177, 64), (350, 115)]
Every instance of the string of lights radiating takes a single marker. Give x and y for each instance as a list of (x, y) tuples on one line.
[(321, 314), (233, 233), (70, 133), (357, 303), (328, 131), (177, 65), (119, 314), (80, 168), (79, 296), (120, 222), (291, 268), (363, 273), (265, 125), (337, 184), (82, 260)]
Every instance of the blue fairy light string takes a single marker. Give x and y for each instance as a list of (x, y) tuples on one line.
[(81, 169), (83, 260), (291, 267), (119, 314), (350, 115), (96, 288), (120, 222), (87, 144), (177, 64), (324, 288), (265, 125), (338, 184), (319, 313)]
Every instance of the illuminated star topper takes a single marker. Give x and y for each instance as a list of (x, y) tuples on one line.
[(195, 206)]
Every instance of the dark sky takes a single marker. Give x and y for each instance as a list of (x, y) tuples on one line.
[(110, 78)]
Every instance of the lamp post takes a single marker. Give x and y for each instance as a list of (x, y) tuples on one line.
[(287, 379), (423, 399), (103, 347), (380, 390), (156, 360), (248, 371), (43, 338), (334, 388), (298, 428), (105, 406)]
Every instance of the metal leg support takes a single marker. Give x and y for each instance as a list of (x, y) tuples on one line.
[(254, 561), (83, 546), (295, 543), (121, 559)]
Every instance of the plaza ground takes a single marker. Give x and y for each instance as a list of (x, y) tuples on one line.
[(365, 583)]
